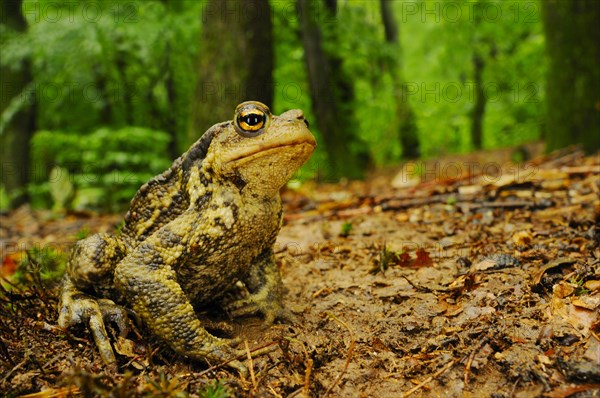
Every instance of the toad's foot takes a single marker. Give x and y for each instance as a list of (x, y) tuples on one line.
[(262, 303), (77, 307), (217, 352), (221, 351), (263, 283)]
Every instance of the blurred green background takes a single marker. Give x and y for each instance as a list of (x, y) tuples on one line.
[(99, 96)]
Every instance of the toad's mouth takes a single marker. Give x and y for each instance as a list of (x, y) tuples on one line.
[(266, 149)]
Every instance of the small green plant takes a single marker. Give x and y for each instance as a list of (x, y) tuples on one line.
[(579, 288), (216, 390), (82, 233), (388, 258), (119, 227), (40, 265), (385, 257), (452, 200), (346, 229), (383, 260), (166, 387)]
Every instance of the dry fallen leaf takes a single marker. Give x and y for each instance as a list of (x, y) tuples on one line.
[(522, 239), (481, 357), (423, 259), (590, 302), (562, 290), (562, 311), (552, 264), (592, 285), (486, 263), (592, 353)]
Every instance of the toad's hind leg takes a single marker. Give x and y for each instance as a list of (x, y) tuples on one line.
[(155, 295), (92, 264)]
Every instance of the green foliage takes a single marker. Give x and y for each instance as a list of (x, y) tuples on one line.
[(291, 85), (438, 48), (439, 42), (99, 67), (4, 199), (105, 167), (112, 64), (109, 63), (367, 57)]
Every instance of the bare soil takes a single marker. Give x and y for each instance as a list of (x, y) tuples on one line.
[(446, 285)]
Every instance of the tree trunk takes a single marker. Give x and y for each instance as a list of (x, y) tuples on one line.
[(573, 85), (15, 137), (407, 128), (235, 60), (480, 102), (331, 93)]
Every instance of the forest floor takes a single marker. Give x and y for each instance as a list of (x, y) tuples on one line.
[(467, 276)]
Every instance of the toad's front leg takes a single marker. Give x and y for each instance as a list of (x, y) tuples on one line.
[(148, 282), (91, 266), (77, 307)]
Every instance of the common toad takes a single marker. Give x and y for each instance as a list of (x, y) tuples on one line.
[(190, 235)]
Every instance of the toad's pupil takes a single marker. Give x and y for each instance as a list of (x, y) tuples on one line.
[(253, 120)]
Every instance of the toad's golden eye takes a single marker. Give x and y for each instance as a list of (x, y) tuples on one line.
[(251, 118)]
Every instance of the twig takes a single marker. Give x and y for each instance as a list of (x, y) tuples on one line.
[(555, 157), (468, 366), (70, 391), (398, 204), (471, 358), (275, 393), (14, 369), (563, 161), (418, 288), (250, 364), (309, 366), (581, 169), (504, 204), (430, 378), (348, 357), (514, 387), (570, 390)]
